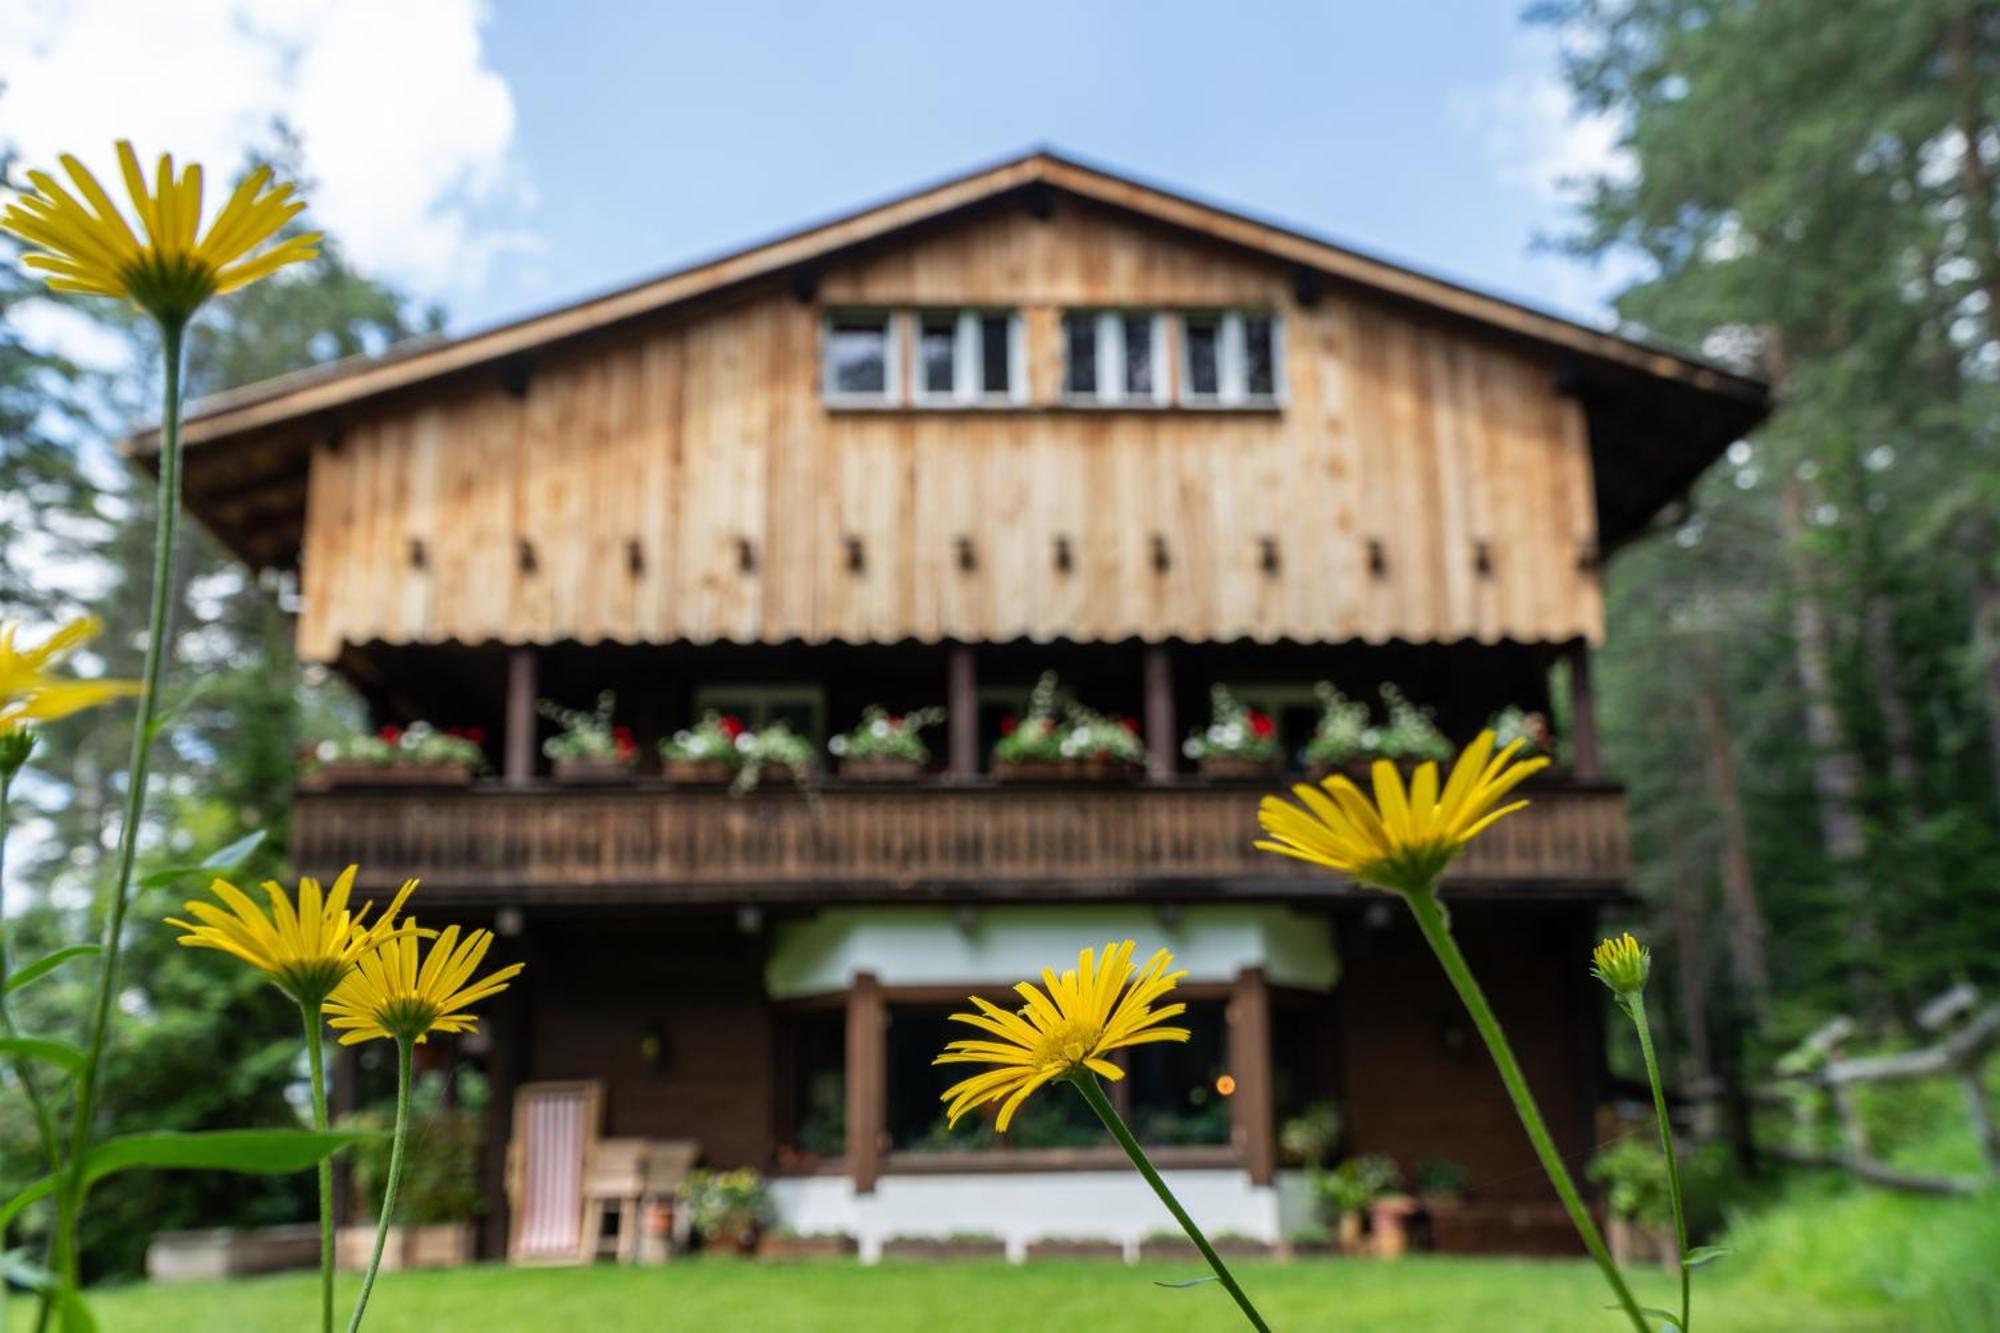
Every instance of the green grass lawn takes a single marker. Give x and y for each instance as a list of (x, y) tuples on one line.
[(1357, 1296)]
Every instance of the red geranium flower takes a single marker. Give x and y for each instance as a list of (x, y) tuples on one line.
[(1132, 725), (477, 735), (1261, 725), (731, 727), (1008, 723), (626, 749), (390, 734), (621, 733)]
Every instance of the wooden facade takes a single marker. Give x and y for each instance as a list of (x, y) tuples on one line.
[(651, 493)]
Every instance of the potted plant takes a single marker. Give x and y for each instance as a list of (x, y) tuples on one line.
[(590, 750), (438, 1199), (1309, 1138), (1239, 744), (776, 752), (1346, 739), (1512, 724), (885, 746), (703, 755), (728, 1210), (1346, 1194), (1634, 1175), (1061, 740), (418, 755)]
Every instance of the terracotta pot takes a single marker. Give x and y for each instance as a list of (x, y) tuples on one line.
[(1389, 1225), (593, 772), (881, 770), (698, 772), (346, 774), (1229, 768)]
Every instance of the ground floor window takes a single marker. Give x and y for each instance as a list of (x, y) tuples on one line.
[(812, 1052)]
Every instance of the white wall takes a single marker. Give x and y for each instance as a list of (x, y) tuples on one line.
[(998, 946), (1026, 1206)]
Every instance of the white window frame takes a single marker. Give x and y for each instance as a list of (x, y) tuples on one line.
[(965, 389), (1110, 390), (1232, 363), (892, 353)]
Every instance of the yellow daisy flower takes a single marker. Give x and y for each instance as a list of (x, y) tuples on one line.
[(388, 995), (86, 245), (1080, 1018), (1622, 963), (28, 693), (1403, 840), (306, 950)]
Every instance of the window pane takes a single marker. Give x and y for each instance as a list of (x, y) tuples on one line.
[(1176, 1087), (795, 713), (934, 352), (817, 1050), (1260, 366), (995, 354), (857, 351), (1138, 356), (1080, 354), (1204, 337)]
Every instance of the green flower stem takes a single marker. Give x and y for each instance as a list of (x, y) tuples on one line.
[(1431, 921), (69, 1199), (1093, 1092), (45, 1122), (404, 1048), (316, 1062), (1635, 1005)]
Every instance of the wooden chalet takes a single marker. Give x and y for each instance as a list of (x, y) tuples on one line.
[(1039, 416)]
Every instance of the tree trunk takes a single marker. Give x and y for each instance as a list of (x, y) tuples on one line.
[(1878, 641), (1739, 887), (1986, 654), (1836, 771)]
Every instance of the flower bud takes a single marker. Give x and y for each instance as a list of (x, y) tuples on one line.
[(1622, 964)]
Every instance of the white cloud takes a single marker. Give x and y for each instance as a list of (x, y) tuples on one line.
[(1532, 130), (407, 132)]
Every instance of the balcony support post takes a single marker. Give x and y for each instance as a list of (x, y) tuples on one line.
[(1585, 757), (1159, 680), (962, 714), (518, 759), (1252, 1108), (867, 1080)]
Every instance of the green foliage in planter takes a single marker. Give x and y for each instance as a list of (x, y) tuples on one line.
[(726, 1204), (1343, 723), (1353, 1185), (712, 740), (1512, 724), (418, 743), (1234, 731), (1345, 734), (1310, 1137), (776, 746), (1440, 1176), (884, 735), (441, 1169), (591, 735), (1058, 730)]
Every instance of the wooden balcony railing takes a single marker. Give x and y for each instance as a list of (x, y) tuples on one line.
[(547, 843)]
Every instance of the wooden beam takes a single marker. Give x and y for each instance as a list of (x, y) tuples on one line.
[(518, 762), (867, 1080), (1252, 1107), (962, 713), (1585, 756), (1160, 746)]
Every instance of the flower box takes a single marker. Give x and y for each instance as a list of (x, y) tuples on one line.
[(1179, 1249), (698, 772), (592, 772), (783, 1248), (187, 1256), (944, 1247), (347, 773), (1085, 770), (1075, 1247), (1229, 768), (438, 1245), (881, 770)]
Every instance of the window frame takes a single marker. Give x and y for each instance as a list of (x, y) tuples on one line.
[(1111, 365), (891, 323), (967, 360), (1232, 361)]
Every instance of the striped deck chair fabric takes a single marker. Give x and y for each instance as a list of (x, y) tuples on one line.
[(555, 1129)]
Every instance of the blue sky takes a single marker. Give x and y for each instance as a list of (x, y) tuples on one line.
[(502, 156), (650, 134)]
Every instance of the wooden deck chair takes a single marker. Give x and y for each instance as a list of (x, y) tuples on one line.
[(548, 1157)]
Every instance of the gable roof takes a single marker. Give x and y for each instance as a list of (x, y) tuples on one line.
[(342, 384)]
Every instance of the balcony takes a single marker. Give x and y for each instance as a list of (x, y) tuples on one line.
[(540, 843)]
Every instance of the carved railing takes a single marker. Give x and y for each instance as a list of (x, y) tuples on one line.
[(550, 842)]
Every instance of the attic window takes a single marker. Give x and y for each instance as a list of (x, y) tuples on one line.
[(969, 357), (1231, 358), (1114, 357), (858, 357)]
